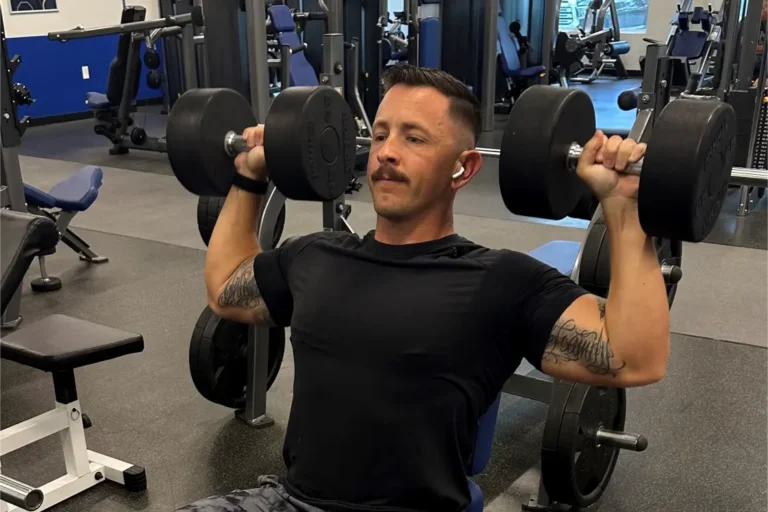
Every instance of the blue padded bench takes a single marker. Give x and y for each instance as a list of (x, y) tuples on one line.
[(558, 254), (71, 196), (75, 194), (302, 72)]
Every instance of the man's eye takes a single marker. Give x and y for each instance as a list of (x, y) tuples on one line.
[(414, 140), (379, 138)]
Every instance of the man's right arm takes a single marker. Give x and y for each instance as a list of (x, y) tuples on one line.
[(229, 276)]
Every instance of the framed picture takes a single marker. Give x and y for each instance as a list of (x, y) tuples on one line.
[(31, 6)]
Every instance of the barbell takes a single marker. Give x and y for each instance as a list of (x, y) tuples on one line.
[(309, 141)]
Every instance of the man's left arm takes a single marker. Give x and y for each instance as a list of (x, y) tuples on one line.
[(622, 341)]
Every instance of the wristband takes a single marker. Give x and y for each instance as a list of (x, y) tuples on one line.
[(251, 185)]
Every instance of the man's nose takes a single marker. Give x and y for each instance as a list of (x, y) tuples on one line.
[(388, 152)]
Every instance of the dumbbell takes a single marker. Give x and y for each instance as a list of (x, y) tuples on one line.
[(309, 141), (683, 177)]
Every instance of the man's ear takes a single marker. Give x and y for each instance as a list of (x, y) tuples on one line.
[(471, 161)]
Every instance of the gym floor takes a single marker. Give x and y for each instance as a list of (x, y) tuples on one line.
[(706, 421)]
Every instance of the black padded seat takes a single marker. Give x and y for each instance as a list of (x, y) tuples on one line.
[(60, 342)]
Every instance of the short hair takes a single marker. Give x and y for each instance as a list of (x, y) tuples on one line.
[(464, 105)]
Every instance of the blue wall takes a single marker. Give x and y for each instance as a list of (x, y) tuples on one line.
[(53, 72)]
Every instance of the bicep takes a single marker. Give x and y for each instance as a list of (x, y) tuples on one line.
[(240, 299), (578, 348)]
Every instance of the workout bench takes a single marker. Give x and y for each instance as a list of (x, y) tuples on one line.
[(57, 344), (561, 255), (69, 197)]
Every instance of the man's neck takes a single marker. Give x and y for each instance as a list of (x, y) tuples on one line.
[(413, 231)]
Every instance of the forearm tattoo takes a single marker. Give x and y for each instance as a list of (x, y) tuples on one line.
[(568, 343), (242, 292)]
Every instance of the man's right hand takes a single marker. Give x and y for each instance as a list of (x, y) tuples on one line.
[(253, 164)]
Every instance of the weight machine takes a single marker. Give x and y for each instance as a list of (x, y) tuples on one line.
[(601, 47), (113, 109)]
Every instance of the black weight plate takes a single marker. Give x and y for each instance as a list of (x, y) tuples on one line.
[(686, 169), (594, 255), (533, 176), (586, 207), (197, 125), (584, 469), (309, 143), (595, 263), (208, 208), (218, 359)]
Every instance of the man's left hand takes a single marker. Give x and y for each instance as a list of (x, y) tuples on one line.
[(601, 162)]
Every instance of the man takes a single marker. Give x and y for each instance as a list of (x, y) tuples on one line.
[(404, 337)]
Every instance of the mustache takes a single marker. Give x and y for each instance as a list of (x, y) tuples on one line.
[(388, 173)]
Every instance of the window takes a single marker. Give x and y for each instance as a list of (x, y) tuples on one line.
[(633, 15)]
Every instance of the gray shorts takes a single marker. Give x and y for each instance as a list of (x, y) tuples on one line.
[(269, 496)]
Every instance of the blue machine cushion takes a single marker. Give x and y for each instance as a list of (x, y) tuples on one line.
[(282, 19), (508, 56), (97, 101), (484, 439), (476, 497), (689, 44), (558, 254), (429, 43), (619, 48), (302, 72), (36, 197), (78, 192)]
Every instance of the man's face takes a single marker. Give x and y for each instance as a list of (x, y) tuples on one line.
[(414, 151)]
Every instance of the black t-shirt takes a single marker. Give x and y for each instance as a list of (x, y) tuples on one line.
[(398, 351)]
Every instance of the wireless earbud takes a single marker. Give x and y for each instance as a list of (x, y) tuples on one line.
[(458, 173)]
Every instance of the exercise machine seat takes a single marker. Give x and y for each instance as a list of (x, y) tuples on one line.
[(509, 59), (689, 44), (75, 194), (429, 43), (483, 443), (475, 497), (60, 342), (558, 254), (97, 101), (302, 72), (24, 236)]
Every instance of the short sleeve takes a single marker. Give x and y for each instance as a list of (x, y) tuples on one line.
[(271, 269), (543, 294)]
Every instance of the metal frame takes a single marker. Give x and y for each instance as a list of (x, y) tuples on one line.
[(334, 212), (85, 468), (11, 130)]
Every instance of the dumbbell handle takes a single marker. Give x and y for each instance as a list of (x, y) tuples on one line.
[(622, 440), (574, 153), (234, 144)]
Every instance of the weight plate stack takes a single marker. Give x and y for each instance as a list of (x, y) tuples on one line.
[(595, 265), (218, 359), (208, 209), (575, 468)]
